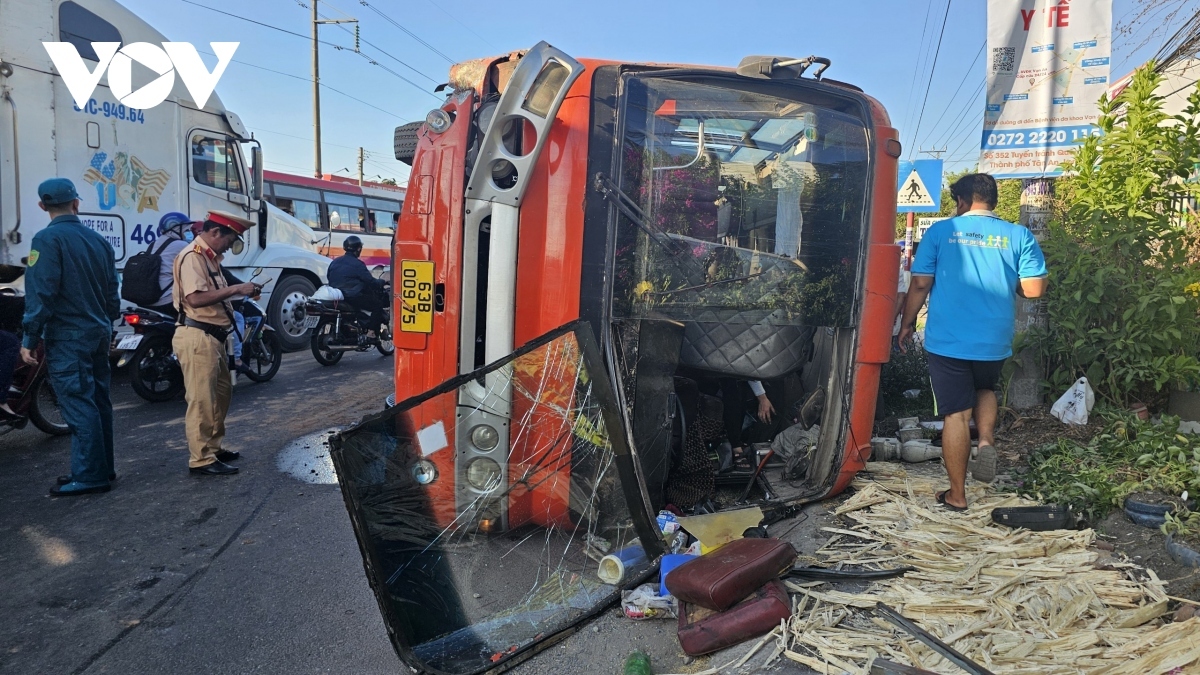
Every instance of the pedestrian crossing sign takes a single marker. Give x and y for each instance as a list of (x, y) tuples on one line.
[(919, 188)]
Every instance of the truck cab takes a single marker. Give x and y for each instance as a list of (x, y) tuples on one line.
[(598, 267), (133, 165)]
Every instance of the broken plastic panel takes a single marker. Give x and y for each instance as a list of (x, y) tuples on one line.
[(479, 551)]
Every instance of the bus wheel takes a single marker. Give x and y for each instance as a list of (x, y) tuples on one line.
[(289, 295)]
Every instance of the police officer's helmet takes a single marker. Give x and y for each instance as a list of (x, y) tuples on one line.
[(352, 245)]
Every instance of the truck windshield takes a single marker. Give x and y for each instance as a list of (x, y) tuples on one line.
[(761, 198)]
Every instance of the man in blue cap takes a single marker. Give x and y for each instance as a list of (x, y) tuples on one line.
[(70, 303)]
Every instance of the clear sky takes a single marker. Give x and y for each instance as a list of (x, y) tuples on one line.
[(875, 44)]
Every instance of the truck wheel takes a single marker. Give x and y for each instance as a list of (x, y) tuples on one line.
[(285, 313), (405, 141)]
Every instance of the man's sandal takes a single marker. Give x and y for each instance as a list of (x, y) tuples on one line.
[(982, 463), (941, 499)]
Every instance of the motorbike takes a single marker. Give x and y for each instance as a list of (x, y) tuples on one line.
[(338, 327), (155, 373)]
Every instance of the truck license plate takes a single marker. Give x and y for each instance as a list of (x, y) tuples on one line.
[(416, 296)]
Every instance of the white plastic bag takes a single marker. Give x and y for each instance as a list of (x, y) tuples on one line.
[(1073, 407), (644, 602)]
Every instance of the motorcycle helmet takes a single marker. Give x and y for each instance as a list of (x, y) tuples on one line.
[(352, 245), (173, 220)]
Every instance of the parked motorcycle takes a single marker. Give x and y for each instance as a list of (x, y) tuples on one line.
[(155, 373), (338, 327)]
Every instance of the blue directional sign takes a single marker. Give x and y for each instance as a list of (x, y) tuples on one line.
[(919, 186)]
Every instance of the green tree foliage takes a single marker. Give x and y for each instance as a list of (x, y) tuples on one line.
[(1120, 310)]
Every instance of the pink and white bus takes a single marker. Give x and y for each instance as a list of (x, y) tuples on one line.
[(336, 207)]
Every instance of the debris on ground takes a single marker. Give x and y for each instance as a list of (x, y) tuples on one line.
[(1014, 601)]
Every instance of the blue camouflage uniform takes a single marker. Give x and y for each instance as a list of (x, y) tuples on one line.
[(71, 302)]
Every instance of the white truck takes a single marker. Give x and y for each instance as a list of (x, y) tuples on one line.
[(132, 166)]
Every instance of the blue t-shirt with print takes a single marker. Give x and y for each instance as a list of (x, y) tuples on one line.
[(976, 261)]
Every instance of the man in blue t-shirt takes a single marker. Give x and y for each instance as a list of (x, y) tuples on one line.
[(969, 267)]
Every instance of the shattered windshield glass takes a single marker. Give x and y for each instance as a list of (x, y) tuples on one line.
[(499, 508), (763, 199)]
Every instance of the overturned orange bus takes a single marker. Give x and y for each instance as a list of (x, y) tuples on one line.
[(619, 288)]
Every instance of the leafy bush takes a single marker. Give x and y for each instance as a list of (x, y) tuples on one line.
[(1118, 256), (1129, 455)]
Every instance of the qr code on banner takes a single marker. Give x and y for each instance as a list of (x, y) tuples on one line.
[(1004, 60)]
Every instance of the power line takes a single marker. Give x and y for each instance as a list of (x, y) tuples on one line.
[(912, 86), (406, 31), (964, 116), (306, 79), (469, 29), (375, 46), (259, 23), (932, 70), (967, 105), (302, 138), (956, 91), (324, 42)]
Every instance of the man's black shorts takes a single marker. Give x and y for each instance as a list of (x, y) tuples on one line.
[(955, 381)]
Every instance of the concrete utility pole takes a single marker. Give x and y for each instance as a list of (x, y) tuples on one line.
[(316, 79), (360, 167), (1037, 199)]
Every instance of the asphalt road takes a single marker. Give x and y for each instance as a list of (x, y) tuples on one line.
[(253, 573), (174, 573)]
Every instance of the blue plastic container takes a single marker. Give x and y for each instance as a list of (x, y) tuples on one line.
[(668, 563)]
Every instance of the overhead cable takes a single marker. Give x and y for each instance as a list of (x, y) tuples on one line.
[(954, 96), (932, 70), (406, 31)]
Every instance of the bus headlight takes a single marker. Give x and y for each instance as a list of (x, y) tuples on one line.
[(483, 474), (438, 120), (485, 437)]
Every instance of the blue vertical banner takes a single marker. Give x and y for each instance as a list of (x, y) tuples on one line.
[(919, 186)]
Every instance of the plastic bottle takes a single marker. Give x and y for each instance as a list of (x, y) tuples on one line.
[(638, 664)]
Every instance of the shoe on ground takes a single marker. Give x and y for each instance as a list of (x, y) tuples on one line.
[(228, 455), (217, 468), (75, 488), (63, 480), (982, 463)]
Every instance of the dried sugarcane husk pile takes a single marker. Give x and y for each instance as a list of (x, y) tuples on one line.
[(1014, 601)]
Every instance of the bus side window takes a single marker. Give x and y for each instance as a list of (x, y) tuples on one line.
[(302, 203), (383, 215), (213, 164)]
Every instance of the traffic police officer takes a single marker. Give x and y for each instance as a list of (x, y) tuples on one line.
[(206, 320), (70, 303)]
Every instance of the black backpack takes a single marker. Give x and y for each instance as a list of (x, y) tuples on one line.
[(139, 281)]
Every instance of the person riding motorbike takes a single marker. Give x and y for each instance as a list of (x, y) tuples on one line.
[(349, 275), (175, 228)]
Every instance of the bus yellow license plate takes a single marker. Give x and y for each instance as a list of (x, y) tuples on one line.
[(416, 296)]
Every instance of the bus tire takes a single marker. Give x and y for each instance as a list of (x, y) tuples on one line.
[(405, 141), (289, 296)]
